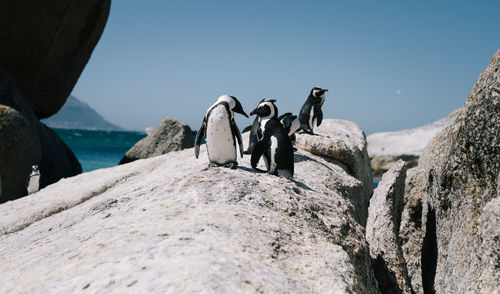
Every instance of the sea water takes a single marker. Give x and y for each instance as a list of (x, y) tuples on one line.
[(99, 149)]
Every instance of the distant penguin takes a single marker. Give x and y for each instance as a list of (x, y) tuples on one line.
[(256, 131), (221, 132), (311, 114), (291, 124), (275, 145), (33, 182)]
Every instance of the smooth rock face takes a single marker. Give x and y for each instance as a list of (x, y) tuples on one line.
[(169, 224), (462, 174), (344, 143), (46, 44), (386, 148), (19, 150), (170, 135), (412, 228), (382, 229)]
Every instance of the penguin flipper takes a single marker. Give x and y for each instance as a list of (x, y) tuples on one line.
[(318, 113), (199, 136), (237, 134), (257, 152)]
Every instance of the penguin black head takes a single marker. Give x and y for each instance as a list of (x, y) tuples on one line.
[(317, 92), (287, 119), (234, 104), (266, 109)]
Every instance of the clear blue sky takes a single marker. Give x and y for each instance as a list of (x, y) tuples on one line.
[(389, 65)]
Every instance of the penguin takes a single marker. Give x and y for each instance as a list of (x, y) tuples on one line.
[(33, 181), (275, 145), (291, 124), (256, 131), (311, 114), (221, 132)]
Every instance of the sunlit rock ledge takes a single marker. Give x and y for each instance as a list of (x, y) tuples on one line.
[(170, 224)]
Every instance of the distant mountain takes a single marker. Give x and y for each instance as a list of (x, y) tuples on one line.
[(76, 114)]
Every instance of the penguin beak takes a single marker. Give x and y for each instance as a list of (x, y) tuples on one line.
[(323, 91), (240, 112), (238, 108)]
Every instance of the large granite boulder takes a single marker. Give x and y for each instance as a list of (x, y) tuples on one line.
[(449, 231), (462, 170), (58, 161), (27, 142), (170, 224), (344, 143), (382, 231), (19, 150), (386, 148), (46, 44), (170, 135)]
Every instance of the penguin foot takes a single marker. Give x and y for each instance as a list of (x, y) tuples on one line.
[(212, 164), (307, 131), (231, 165)]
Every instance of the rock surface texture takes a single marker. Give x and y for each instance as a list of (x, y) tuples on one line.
[(412, 230), (19, 149), (26, 142), (58, 161), (386, 148), (449, 231), (46, 45), (170, 135), (170, 224), (462, 181), (382, 230), (344, 143)]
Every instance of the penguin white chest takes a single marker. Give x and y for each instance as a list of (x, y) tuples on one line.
[(221, 146), (274, 146), (312, 119)]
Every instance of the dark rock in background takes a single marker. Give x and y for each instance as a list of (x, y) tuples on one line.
[(19, 150), (170, 135), (46, 45), (26, 142), (19, 141), (58, 161)]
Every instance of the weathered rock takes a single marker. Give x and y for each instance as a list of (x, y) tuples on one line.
[(170, 135), (46, 45), (382, 229), (411, 230), (11, 96), (36, 145), (58, 161), (461, 194), (343, 142), (169, 224), (19, 150), (386, 148)]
